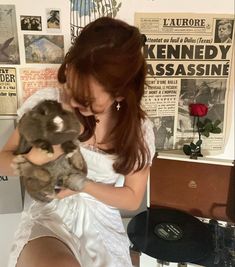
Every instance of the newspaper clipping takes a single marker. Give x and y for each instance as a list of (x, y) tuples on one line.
[(8, 92), (9, 47), (33, 80), (189, 60)]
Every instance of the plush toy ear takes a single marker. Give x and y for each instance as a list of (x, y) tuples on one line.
[(23, 146)]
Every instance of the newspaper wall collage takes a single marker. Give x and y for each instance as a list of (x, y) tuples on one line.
[(189, 60), (38, 49)]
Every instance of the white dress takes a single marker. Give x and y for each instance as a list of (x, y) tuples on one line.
[(93, 230)]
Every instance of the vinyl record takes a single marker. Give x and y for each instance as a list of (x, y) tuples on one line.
[(170, 235)]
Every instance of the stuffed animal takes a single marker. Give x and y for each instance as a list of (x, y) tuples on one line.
[(48, 124)]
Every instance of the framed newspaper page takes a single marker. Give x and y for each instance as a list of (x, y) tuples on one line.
[(189, 60)]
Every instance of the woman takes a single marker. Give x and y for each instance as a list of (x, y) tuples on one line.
[(104, 75)]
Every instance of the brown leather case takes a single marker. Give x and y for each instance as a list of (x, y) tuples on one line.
[(201, 189)]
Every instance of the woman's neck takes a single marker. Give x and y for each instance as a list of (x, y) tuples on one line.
[(104, 126), (103, 117)]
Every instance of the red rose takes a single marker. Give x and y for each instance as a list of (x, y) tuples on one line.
[(198, 110)]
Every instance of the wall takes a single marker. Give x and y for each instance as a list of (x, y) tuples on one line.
[(25, 7), (8, 222)]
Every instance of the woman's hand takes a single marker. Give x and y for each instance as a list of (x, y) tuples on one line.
[(39, 157), (65, 192)]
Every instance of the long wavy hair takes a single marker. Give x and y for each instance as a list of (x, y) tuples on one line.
[(110, 50)]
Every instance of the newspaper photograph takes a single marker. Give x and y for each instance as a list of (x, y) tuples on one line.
[(53, 18), (9, 46), (31, 23), (8, 92), (189, 60)]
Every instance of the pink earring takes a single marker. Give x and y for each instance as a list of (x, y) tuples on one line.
[(118, 106)]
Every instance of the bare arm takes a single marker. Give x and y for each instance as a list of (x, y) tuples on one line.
[(6, 154), (128, 197), (35, 155)]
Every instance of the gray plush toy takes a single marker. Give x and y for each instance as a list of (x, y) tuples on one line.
[(48, 124)]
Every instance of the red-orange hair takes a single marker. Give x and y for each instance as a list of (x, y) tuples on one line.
[(110, 50)]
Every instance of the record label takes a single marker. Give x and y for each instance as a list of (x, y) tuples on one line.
[(168, 231)]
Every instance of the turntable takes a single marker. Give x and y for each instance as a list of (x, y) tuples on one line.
[(190, 216)]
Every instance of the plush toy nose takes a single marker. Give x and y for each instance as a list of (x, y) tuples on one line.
[(59, 123)]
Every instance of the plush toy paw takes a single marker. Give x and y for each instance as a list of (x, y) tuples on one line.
[(44, 146), (75, 182), (78, 162), (23, 167), (42, 197), (69, 148), (20, 165)]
